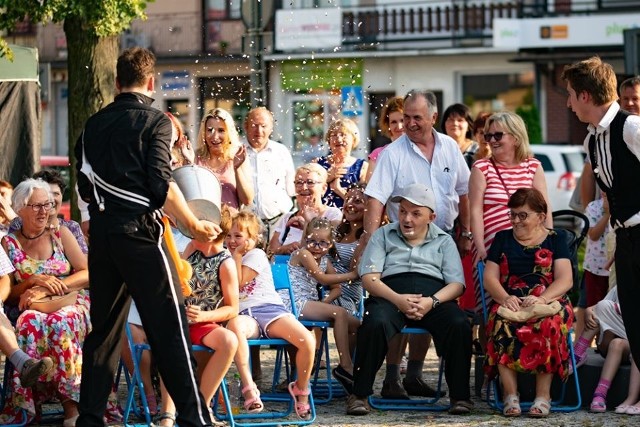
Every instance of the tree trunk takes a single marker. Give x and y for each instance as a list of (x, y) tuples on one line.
[(91, 65)]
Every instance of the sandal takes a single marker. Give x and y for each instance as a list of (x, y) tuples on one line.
[(598, 404), (303, 410), (460, 407), (540, 408), (511, 406), (621, 409), (165, 416), (252, 405)]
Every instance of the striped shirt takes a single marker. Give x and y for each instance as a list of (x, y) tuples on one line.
[(351, 291), (496, 196)]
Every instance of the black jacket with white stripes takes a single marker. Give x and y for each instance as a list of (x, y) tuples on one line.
[(127, 145)]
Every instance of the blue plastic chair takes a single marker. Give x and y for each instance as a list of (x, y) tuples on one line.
[(274, 417), (558, 404)]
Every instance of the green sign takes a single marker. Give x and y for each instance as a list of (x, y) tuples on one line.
[(307, 74)]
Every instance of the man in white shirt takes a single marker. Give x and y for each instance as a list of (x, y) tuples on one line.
[(273, 170), (420, 156)]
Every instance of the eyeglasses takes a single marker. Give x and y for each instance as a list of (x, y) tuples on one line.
[(522, 216), (309, 182), (44, 206), (497, 136), (322, 244)]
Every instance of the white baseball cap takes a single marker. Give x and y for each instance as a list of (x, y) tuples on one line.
[(418, 194)]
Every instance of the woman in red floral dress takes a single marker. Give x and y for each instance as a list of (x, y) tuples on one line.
[(528, 265)]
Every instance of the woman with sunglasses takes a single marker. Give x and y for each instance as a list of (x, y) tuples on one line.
[(525, 266), (493, 180)]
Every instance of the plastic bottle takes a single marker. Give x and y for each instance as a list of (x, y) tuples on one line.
[(235, 394)]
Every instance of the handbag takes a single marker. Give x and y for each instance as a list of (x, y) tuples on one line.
[(52, 303), (535, 311)]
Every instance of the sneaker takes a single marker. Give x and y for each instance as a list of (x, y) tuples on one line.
[(357, 405), (393, 390), (33, 369), (344, 377), (417, 386)]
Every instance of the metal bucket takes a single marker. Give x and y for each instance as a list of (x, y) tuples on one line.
[(202, 192)]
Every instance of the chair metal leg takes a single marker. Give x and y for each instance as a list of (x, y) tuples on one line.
[(429, 404)]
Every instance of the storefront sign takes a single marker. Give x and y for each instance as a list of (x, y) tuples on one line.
[(601, 30), (307, 74), (308, 29), (172, 80)]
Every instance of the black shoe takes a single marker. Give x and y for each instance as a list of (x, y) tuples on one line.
[(418, 387), (344, 377), (357, 405), (393, 390), (32, 369), (461, 407)]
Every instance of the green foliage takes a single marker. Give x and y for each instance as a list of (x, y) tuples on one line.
[(102, 18), (531, 117)]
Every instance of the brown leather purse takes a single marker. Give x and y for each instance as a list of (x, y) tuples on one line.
[(52, 303)]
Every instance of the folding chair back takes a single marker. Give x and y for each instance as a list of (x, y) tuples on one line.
[(557, 405)]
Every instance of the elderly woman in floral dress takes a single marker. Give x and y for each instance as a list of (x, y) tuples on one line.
[(525, 266), (48, 262)]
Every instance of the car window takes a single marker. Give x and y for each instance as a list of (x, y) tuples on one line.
[(574, 161), (547, 166)]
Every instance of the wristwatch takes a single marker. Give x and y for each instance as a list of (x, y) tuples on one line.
[(436, 301), (467, 234)]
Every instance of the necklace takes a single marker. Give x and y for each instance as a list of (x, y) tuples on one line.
[(34, 237)]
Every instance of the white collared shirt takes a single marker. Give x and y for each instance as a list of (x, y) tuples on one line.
[(402, 164), (630, 136), (272, 176)]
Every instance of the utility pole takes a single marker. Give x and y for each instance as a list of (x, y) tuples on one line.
[(256, 15)]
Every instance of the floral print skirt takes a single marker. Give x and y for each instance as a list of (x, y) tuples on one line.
[(536, 346), (58, 335)]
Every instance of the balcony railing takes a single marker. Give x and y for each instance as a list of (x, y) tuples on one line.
[(454, 23)]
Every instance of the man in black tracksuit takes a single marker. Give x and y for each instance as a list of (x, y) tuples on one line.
[(124, 174)]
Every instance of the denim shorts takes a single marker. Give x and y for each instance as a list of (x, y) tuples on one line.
[(265, 315)]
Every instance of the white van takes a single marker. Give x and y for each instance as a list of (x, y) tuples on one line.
[(562, 165)]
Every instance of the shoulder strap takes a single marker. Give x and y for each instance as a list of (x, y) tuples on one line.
[(500, 176)]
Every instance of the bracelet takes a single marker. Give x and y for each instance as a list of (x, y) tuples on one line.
[(544, 299)]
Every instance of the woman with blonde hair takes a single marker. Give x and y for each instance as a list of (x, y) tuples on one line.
[(219, 149), (343, 169), (495, 179)]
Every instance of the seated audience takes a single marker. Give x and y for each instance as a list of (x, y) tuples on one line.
[(48, 263), (310, 184), (263, 314), (310, 268), (213, 302), (28, 368), (412, 271), (525, 266), (346, 242)]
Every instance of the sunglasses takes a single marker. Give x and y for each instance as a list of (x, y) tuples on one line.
[(497, 136)]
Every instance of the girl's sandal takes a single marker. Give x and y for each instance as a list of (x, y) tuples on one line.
[(598, 404), (540, 408), (512, 406), (252, 405), (303, 409)]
